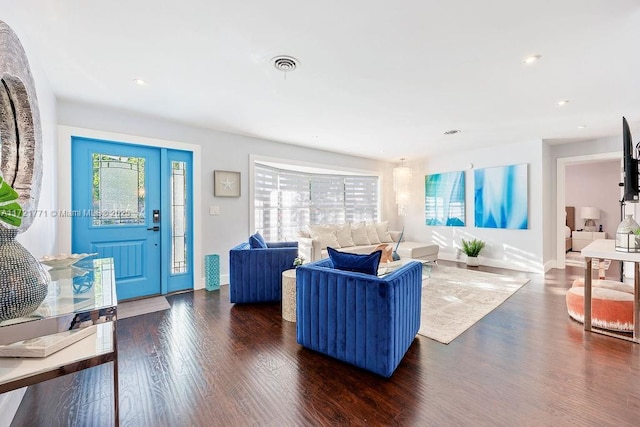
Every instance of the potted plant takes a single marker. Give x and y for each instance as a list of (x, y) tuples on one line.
[(472, 249), (298, 261)]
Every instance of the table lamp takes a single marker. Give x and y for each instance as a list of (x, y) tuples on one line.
[(589, 214)]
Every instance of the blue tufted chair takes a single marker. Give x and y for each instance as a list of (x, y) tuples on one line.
[(361, 319), (255, 274)]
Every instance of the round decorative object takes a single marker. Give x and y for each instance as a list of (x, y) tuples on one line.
[(23, 280), (20, 129)]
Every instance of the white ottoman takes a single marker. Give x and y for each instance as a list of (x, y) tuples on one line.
[(417, 250)]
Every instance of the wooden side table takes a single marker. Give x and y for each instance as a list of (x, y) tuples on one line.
[(289, 295)]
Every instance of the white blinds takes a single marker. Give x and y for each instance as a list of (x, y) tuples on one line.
[(286, 201)]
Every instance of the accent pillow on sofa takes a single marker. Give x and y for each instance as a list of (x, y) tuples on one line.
[(343, 234), (367, 264), (383, 232), (256, 241), (372, 232), (359, 233), (326, 234)]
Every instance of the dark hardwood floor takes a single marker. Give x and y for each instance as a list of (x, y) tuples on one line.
[(207, 362)]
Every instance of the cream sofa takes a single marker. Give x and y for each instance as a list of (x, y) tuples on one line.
[(360, 238)]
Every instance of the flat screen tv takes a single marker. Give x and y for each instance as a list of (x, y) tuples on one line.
[(631, 191)]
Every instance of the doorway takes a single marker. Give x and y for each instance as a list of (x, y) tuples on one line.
[(562, 163), (134, 204)]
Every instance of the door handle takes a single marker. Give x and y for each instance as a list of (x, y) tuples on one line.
[(154, 228)]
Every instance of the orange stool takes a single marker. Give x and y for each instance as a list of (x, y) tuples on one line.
[(611, 304)]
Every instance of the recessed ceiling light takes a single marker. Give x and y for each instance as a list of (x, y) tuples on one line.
[(582, 126), (562, 102), (139, 82), (531, 59), (452, 132)]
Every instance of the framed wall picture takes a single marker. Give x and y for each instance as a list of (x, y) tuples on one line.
[(226, 184), (445, 199), (502, 197)]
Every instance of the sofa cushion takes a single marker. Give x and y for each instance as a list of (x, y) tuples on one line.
[(326, 234), (359, 233), (343, 234), (256, 241), (367, 264), (372, 233), (383, 232)]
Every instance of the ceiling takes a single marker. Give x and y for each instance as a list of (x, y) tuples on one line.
[(376, 78)]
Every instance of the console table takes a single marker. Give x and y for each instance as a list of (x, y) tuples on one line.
[(606, 249), (86, 300)]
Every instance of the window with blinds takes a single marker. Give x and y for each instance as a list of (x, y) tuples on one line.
[(286, 201)]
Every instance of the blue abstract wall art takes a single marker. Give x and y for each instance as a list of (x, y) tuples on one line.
[(501, 197), (444, 199)]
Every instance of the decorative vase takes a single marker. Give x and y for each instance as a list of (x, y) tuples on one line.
[(472, 261), (626, 239), (23, 280)]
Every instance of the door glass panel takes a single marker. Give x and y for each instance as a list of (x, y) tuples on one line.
[(178, 217), (118, 190)]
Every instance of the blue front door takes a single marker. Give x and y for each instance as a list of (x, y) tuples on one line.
[(116, 207)]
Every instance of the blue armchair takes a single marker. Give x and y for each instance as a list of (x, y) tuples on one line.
[(361, 319), (255, 274)]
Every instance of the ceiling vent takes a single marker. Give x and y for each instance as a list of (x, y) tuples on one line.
[(285, 63)]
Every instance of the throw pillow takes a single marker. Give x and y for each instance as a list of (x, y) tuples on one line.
[(326, 234), (256, 241), (372, 232), (359, 233), (343, 234), (367, 264), (383, 232)]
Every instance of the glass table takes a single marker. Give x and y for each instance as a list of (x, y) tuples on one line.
[(80, 297), (389, 267)]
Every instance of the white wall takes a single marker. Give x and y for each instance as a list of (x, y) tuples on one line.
[(595, 184), (514, 249), (220, 151), (40, 238), (548, 194)]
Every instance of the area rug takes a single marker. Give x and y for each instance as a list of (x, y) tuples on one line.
[(453, 299), (142, 306), (576, 259)]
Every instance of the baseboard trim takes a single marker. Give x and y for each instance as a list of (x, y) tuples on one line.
[(550, 265), (498, 263)]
